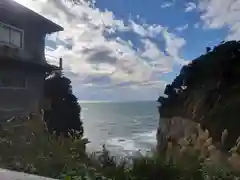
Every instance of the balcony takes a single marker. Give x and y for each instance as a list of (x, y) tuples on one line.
[(7, 51), (20, 58)]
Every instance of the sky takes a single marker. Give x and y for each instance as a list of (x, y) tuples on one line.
[(128, 50)]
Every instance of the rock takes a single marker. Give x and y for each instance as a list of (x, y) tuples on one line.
[(174, 129)]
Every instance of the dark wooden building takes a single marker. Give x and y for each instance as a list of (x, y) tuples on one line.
[(23, 66)]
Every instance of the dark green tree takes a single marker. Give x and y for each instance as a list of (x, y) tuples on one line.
[(214, 76), (161, 99), (220, 64), (208, 49), (64, 116), (169, 90)]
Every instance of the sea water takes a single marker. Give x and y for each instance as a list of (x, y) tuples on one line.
[(125, 128)]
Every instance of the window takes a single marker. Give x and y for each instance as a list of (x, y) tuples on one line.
[(16, 38), (11, 81), (4, 34), (11, 35)]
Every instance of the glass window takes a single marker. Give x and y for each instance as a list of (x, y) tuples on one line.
[(16, 38), (10, 35), (4, 34)]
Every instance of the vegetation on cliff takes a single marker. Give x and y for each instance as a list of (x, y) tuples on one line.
[(207, 89)]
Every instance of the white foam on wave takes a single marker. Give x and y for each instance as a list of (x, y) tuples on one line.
[(123, 143), (130, 146), (148, 137)]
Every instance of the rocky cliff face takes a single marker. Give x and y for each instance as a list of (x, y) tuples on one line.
[(212, 92), (173, 128), (214, 112)]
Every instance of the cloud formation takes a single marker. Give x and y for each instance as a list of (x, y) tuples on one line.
[(190, 7), (182, 28), (167, 4), (96, 57), (218, 14)]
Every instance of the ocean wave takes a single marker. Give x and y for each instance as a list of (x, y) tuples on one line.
[(122, 143), (134, 145), (149, 137), (143, 117)]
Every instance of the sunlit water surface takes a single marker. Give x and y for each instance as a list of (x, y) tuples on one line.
[(125, 128)]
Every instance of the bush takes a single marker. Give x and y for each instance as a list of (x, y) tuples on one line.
[(194, 157), (151, 168), (26, 147)]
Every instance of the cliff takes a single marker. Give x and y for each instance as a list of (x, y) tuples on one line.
[(208, 91)]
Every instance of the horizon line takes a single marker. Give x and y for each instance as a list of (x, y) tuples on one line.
[(96, 101)]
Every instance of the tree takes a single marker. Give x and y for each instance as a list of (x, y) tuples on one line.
[(161, 99), (64, 115), (208, 49), (169, 90), (220, 64)]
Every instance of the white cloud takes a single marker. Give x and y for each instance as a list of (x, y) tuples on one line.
[(174, 44), (146, 30), (190, 7), (182, 28), (217, 14), (153, 55), (94, 58), (167, 4)]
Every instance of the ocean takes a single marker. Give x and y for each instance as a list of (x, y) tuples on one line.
[(125, 128)]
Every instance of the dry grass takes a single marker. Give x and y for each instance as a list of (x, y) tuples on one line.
[(25, 146), (200, 145)]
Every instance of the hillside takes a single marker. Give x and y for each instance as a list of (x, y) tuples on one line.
[(208, 91)]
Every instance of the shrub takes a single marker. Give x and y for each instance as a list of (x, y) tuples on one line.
[(26, 147)]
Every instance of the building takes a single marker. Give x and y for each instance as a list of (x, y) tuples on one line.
[(23, 66)]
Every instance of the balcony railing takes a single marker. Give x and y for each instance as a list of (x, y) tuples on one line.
[(13, 52)]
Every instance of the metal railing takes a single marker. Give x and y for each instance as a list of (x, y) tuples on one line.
[(13, 52)]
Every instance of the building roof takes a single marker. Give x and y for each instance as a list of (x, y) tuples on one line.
[(20, 10)]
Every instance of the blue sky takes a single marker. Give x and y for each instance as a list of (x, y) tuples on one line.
[(126, 50)]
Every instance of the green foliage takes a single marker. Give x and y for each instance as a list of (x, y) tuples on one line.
[(26, 147), (161, 99), (64, 115), (211, 91), (220, 64), (149, 168)]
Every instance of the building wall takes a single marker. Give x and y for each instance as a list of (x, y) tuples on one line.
[(14, 100), (34, 36), (17, 100)]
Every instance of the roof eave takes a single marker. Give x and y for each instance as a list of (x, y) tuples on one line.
[(55, 28)]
